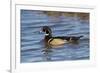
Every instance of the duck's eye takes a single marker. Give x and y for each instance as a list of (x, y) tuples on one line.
[(43, 30)]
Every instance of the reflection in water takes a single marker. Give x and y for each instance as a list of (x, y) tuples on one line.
[(47, 54)]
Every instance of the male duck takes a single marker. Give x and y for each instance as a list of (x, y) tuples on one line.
[(59, 40)]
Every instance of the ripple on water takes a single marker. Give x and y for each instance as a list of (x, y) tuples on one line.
[(32, 45)]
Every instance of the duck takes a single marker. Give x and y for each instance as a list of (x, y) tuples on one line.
[(57, 40)]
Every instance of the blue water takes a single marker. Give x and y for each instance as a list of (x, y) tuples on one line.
[(32, 45)]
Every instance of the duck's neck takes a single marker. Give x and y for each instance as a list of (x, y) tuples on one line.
[(48, 36)]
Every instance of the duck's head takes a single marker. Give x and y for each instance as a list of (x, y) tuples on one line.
[(47, 30)]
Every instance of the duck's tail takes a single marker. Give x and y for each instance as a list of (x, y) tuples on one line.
[(80, 36)]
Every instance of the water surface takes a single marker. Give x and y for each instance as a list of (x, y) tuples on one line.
[(62, 25)]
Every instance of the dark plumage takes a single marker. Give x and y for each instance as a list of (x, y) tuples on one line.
[(59, 40)]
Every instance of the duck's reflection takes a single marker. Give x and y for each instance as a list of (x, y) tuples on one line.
[(47, 54)]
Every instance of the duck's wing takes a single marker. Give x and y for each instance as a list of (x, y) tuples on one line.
[(69, 37), (61, 37)]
